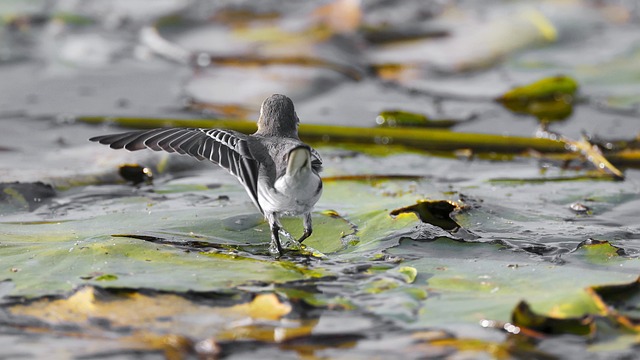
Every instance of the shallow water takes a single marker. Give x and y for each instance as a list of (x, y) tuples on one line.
[(101, 268)]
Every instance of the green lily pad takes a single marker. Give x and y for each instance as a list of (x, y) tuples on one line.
[(400, 118), (523, 316), (542, 89), (599, 251)]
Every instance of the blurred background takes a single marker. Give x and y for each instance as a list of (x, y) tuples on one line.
[(343, 61)]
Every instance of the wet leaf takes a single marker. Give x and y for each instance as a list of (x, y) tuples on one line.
[(106, 277), (137, 318), (547, 88), (434, 212), (18, 196), (263, 306), (523, 316), (399, 118), (474, 347), (598, 251), (555, 109), (621, 301), (548, 99), (409, 273)]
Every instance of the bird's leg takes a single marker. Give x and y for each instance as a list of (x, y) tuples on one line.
[(307, 227), (274, 224)]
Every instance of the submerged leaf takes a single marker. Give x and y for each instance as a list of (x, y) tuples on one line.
[(523, 316)]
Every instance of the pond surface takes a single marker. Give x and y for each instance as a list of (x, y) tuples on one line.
[(480, 252)]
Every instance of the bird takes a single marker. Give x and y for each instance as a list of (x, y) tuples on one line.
[(280, 173)]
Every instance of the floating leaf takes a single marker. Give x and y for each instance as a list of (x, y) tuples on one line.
[(547, 88), (399, 118), (598, 251), (621, 301), (555, 109), (492, 349), (434, 212), (18, 196), (548, 99), (409, 273), (263, 306), (106, 277), (523, 316)]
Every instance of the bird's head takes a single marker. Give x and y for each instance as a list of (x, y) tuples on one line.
[(278, 117)]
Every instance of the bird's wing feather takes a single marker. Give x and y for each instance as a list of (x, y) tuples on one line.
[(316, 161), (229, 149)]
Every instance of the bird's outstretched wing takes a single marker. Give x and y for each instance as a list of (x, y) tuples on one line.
[(229, 149)]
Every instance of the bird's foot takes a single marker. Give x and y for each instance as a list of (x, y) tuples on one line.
[(275, 250), (288, 241)]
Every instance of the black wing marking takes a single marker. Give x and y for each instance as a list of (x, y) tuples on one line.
[(229, 149), (316, 161)]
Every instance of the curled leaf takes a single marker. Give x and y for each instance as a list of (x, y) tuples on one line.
[(620, 301), (434, 212), (523, 316), (409, 274)]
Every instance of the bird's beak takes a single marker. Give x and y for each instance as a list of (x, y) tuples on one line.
[(299, 158)]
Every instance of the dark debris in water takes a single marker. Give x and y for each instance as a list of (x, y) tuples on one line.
[(136, 174)]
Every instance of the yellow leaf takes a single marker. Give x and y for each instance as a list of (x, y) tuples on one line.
[(264, 306)]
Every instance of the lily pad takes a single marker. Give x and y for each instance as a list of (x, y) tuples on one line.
[(523, 316), (547, 88)]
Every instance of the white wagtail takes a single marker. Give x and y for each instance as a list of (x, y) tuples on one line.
[(278, 171)]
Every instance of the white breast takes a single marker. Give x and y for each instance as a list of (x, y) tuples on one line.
[(291, 195)]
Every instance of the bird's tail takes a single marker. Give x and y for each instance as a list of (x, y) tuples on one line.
[(299, 158)]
